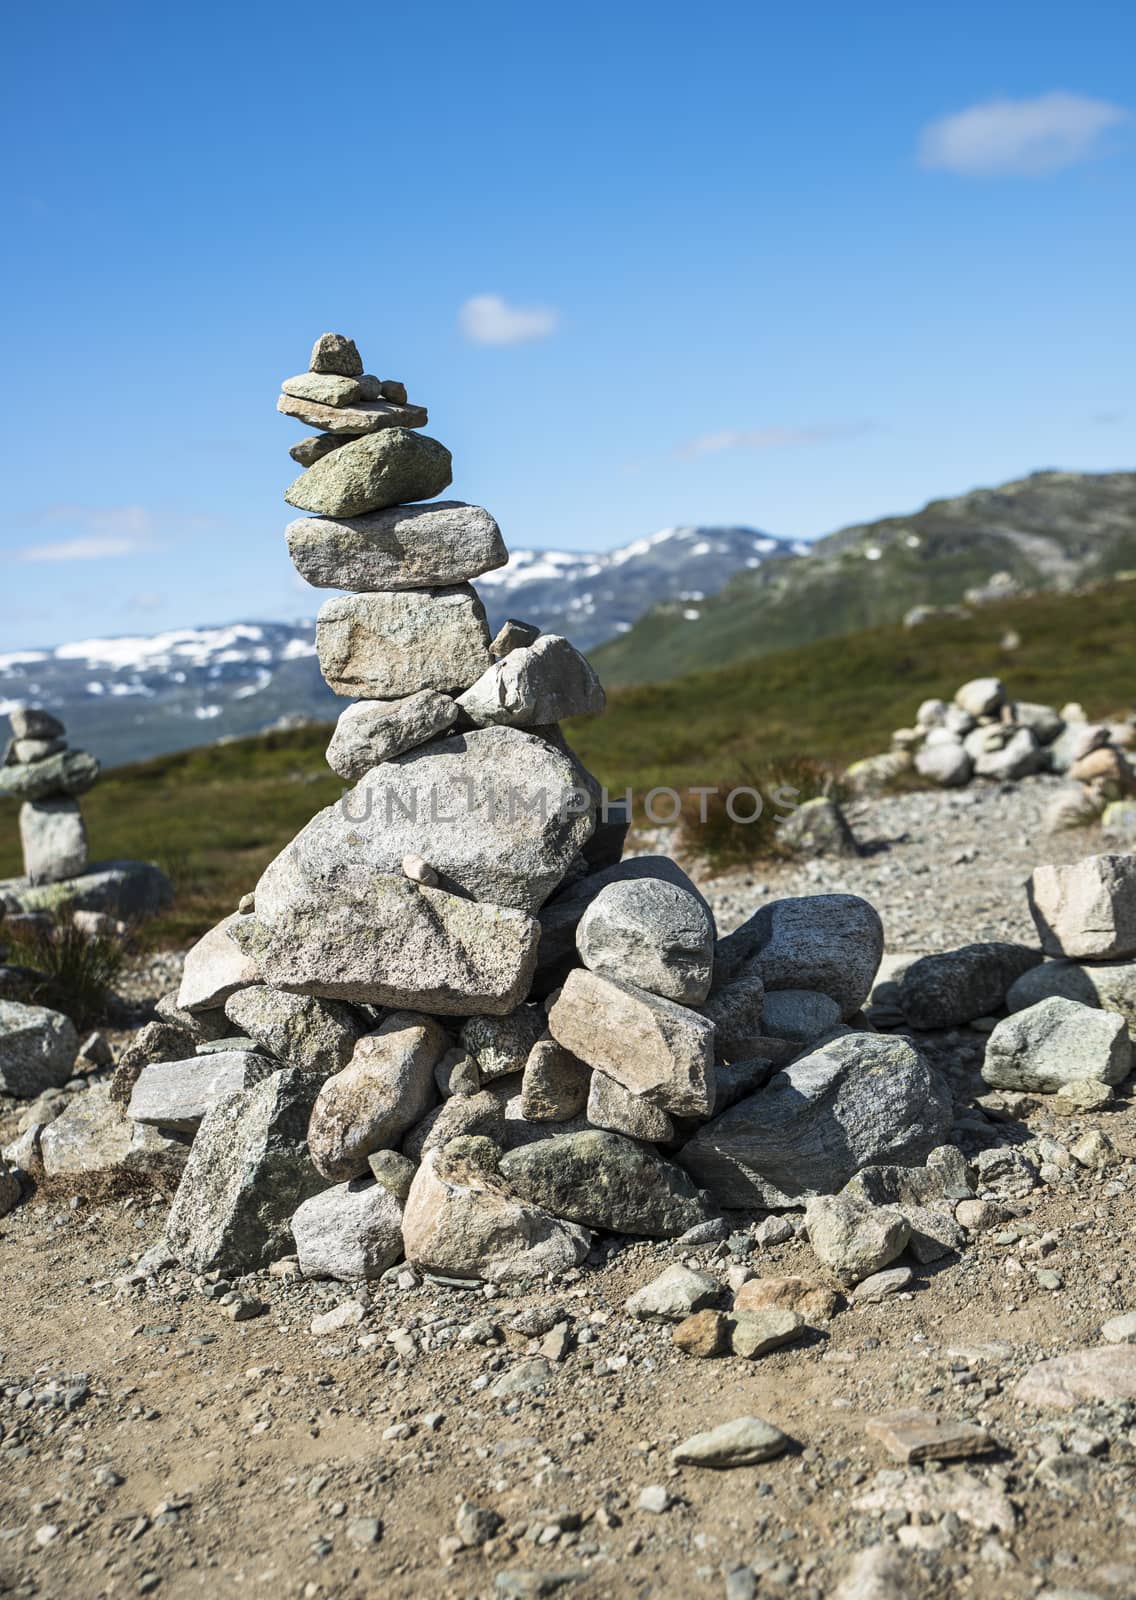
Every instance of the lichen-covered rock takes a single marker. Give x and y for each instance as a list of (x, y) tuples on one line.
[(462, 1221), (247, 1172), (299, 1030), (351, 1231), (501, 1046), (38, 1047), (404, 547), (391, 467), (388, 646), (605, 1181)]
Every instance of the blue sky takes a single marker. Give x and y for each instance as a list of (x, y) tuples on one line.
[(646, 264)]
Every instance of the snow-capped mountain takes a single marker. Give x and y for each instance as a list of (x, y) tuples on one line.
[(138, 695)]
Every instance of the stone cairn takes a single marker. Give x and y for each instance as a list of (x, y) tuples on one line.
[(41, 771), (984, 733), (452, 1027)]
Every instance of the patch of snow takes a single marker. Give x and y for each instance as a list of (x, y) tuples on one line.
[(21, 658)]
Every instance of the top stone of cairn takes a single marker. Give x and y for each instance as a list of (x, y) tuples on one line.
[(336, 353)]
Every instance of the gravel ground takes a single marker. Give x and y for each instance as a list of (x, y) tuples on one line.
[(149, 1443)]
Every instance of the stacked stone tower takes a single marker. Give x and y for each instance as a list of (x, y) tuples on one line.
[(40, 770)]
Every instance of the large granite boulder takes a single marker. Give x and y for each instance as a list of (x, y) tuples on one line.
[(405, 547)]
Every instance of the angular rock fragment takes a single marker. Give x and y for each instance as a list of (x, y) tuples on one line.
[(501, 1046), (248, 1170), (856, 1100), (386, 1088), (175, 1095), (1086, 909), (533, 685), (756, 1333), (299, 1030), (93, 1141), (1106, 1373), (336, 353), (611, 1106), (53, 836), (1056, 1042), (944, 990), (651, 1046), (480, 1116), (38, 1047), (1108, 985), (555, 1083), (853, 1239), (373, 731), (217, 966), (674, 1294)]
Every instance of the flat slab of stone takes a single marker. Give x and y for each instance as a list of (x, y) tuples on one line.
[(72, 772), (1105, 1372), (390, 468), (388, 646), (361, 417), (912, 1435), (94, 1139), (177, 1094), (127, 890), (653, 1047), (405, 547), (386, 941), (496, 813)]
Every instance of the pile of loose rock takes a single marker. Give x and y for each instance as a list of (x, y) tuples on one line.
[(40, 770), (983, 733), (452, 1027)]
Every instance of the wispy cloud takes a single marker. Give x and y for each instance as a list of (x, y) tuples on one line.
[(90, 549), (1019, 138), (489, 319), (775, 438)]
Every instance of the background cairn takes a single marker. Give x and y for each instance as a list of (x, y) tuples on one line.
[(40, 770)]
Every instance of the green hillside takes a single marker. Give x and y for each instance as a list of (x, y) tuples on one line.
[(215, 816), (1049, 531)]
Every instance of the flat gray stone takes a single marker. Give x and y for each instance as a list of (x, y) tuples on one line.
[(854, 1101), (676, 1293), (605, 1181), (547, 681), (1108, 985), (128, 890), (351, 1231), (38, 1047), (175, 1095), (365, 418), (386, 941), (1056, 1042), (94, 1140), (652, 934), (328, 388), (299, 1030), (611, 1106), (405, 547), (248, 1170), (1105, 1373), (389, 468), (653, 1047), (500, 1046), (496, 813), (388, 646), (374, 731)]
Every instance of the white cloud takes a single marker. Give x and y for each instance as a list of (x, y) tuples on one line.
[(1023, 138), (92, 549), (767, 438), (488, 319)]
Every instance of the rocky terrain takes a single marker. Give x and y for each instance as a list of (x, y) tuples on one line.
[(487, 1209)]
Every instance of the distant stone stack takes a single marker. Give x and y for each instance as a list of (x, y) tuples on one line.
[(41, 771)]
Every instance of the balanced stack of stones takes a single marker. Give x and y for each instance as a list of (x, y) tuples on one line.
[(451, 1024), (41, 771)]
